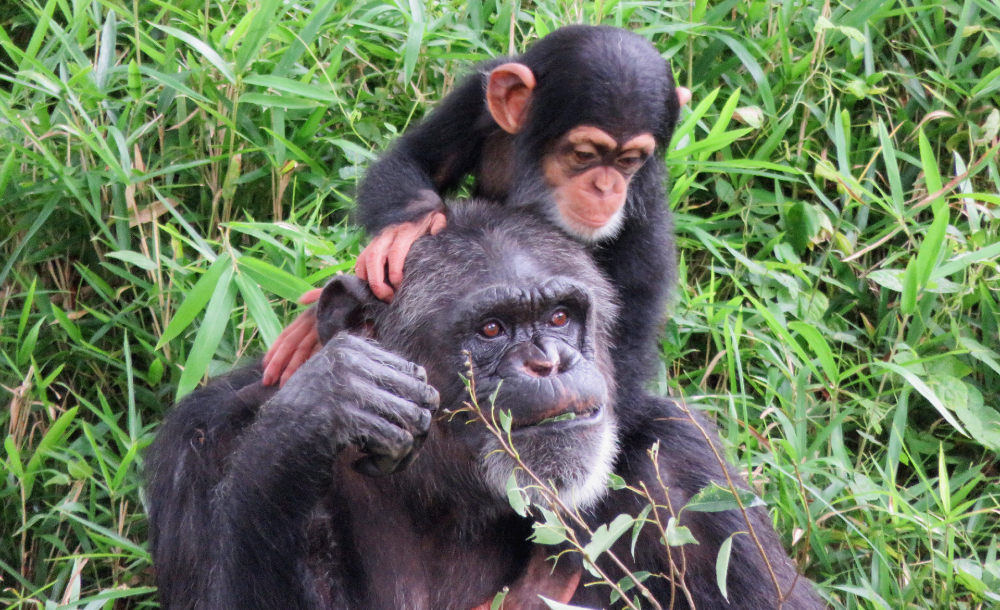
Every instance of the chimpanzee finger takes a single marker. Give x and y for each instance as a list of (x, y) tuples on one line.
[(683, 95), (405, 413), (381, 437), (287, 343), (292, 334), (290, 341), (379, 465), (279, 343), (378, 354), (305, 349), (439, 222), (361, 265), (375, 265), (397, 255), (310, 296)]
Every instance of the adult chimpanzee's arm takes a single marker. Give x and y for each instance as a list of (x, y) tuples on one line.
[(687, 463), (349, 393), (182, 468), (641, 263), (237, 467), (429, 159)]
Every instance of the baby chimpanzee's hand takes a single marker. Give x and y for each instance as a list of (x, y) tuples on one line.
[(389, 248), (294, 345)]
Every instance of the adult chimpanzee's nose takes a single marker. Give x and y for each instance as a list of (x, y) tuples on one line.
[(541, 359)]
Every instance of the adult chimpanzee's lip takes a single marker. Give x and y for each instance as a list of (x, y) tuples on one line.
[(575, 414)]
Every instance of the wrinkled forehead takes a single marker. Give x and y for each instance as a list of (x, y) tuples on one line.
[(445, 276), (521, 267)]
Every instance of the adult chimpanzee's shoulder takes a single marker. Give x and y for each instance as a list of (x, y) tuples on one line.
[(233, 397), (688, 459), (688, 444), (206, 421)]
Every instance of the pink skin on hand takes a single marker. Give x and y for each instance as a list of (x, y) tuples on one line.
[(389, 248), (294, 345)]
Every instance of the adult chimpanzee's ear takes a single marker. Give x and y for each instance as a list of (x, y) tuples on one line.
[(508, 93), (346, 304)]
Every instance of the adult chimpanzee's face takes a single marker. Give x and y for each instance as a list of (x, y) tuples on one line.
[(530, 326), (526, 342)]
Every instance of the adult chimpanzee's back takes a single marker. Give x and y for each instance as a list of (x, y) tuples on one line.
[(365, 483)]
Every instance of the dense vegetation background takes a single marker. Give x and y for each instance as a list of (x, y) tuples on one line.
[(174, 174)]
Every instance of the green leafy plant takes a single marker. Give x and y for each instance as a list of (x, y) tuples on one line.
[(173, 175)]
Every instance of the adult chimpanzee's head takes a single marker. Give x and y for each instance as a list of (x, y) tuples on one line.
[(527, 306)]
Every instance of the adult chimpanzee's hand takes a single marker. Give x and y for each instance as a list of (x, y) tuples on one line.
[(367, 397)]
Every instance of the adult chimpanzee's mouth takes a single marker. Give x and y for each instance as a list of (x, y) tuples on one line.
[(576, 413)]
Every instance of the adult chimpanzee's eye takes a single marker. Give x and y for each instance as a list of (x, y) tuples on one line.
[(491, 329), (559, 318)]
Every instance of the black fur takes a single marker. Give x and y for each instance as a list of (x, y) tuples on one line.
[(599, 76), (258, 498)]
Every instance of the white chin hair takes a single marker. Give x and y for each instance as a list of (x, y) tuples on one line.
[(590, 235), (579, 485)]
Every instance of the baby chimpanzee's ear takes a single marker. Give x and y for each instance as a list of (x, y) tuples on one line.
[(346, 304)]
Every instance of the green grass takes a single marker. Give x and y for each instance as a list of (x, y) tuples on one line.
[(174, 174)]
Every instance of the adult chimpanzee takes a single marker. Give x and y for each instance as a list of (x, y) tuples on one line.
[(262, 498), (576, 129)]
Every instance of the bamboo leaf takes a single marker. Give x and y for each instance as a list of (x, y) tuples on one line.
[(169, 81), (678, 535), (722, 564), (195, 300), (516, 496), (106, 52), (213, 326), (891, 169), (203, 48), (924, 390), (306, 37), (821, 348), (278, 101), (714, 499), (269, 12), (287, 85), (911, 281), (48, 443), (41, 29), (273, 279), (930, 249), (259, 309), (606, 535)]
